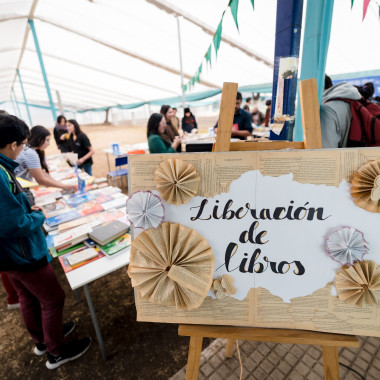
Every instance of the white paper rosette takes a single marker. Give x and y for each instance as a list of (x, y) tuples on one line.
[(346, 245), (145, 210)]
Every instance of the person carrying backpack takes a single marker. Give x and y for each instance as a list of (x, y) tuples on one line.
[(25, 258), (336, 114), (348, 119)]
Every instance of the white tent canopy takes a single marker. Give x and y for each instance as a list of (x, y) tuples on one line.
[(101, 53)]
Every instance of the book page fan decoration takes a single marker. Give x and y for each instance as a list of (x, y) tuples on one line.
[(172, 265), (359, 284), (365, 187), (346, 245), (145, 210), (223, 287), (176, 181)]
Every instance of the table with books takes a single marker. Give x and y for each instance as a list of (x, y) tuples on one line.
[(88, 232)]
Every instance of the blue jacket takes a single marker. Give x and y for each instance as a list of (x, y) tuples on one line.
[(22, 243)]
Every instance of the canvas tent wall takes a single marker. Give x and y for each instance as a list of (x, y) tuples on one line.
[(102, 53)]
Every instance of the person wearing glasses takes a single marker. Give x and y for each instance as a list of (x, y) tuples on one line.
[(32, 163)]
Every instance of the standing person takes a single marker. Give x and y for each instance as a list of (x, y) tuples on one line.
[(158, 141), (61, 135), (175, 120), (248, 102), (32, 162), (188, 121), (25, 258), (81, 145), (336, 114), (268, 103), (242, 126), (256, 116)]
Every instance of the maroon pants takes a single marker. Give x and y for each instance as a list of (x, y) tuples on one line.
[(11, 292), (41, 303)]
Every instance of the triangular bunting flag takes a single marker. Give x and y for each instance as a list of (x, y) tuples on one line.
[(218, 35), (365, 7), (234, 4), (208, 55), (253, 4)]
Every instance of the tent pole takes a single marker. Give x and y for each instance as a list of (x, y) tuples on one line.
[(59, 102), (16, 102), (288, 37), (25, 101), (180, 63), (52, 107)]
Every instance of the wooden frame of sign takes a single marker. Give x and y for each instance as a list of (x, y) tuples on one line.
[(312, 140)]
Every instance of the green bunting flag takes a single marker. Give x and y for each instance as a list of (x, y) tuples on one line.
[(216, 40), (234, 4), (218, 35), (352, 3), (208, 55)]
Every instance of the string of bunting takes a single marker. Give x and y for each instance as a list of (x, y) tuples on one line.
[(216, 39)]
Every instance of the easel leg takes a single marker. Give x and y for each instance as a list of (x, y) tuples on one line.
[(194, 357), (229, 352), (330, 362)]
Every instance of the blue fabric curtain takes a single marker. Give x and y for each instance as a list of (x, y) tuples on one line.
[(315, 47)]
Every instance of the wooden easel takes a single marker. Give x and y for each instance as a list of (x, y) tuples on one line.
[(312, 140)]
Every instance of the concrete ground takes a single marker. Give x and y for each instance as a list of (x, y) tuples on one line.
[(286, 361)]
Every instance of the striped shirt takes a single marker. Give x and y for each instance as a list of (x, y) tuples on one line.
[(27, 159)]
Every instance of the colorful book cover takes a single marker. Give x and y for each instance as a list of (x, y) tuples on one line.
[(75, 248), (103, 198), (89, 207), (68, 268), (62, 218), (78, 199), (55, 208), (117, 245)]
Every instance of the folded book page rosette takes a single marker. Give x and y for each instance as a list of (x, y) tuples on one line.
[(365, 187), (346, 245), (223, 287), (172, 265), (145, 210), (359, 284), (176, 181)]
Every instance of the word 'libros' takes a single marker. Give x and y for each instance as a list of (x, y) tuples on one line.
[(235, 259)]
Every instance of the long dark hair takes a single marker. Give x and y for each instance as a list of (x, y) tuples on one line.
[(37, 137), (153, 124), (77, 129), (164, 109)]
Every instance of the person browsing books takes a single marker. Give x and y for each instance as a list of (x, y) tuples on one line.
[(25, 258), (81, 145), (189, 124), (158, 141), (241, 126), (32, 163)]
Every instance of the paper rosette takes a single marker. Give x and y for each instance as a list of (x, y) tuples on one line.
[(365, 187), (223, 287), (145, 210), (359, 284), (172, 265), (346, 245), (176, 181)]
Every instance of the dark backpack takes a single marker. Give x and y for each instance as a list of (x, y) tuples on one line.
[(365, 122)]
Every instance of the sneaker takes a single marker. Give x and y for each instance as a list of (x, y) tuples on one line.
[(13, 306), (67, 352), (39, 349), (68, 328)]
